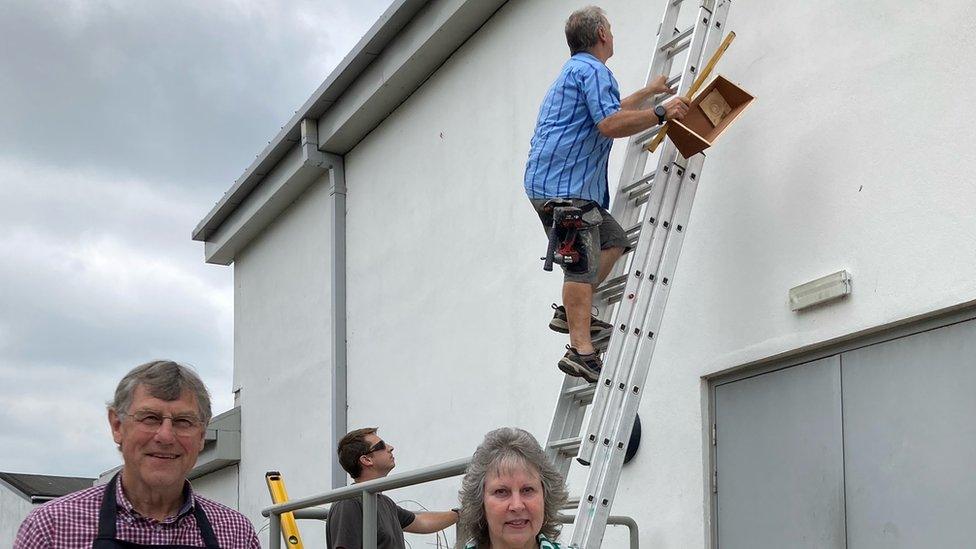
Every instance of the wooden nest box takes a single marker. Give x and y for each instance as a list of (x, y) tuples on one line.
[(712, 111)]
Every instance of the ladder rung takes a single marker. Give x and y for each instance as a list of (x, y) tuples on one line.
[(613, 285), (640, 141), (678, 38), (571, 503), (639, 194), (643, 199), (678, 49), (582, 393), (642, 181), (568, 446), (662, 99), (614, 298)]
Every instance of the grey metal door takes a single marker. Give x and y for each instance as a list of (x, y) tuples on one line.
[(910, 440), (780, 459)]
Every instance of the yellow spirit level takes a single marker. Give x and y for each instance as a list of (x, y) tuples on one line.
[(289, 528)]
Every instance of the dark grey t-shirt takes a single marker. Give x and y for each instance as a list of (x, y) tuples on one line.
[(345, 524)]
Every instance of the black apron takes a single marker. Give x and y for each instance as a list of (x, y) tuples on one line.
[(108, 512)]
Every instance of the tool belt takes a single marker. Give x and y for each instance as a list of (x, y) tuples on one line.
[(565, 245)]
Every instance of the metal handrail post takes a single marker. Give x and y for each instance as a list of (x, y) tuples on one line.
[(366, 490), (630, 523), (369, 520), (274, 533)]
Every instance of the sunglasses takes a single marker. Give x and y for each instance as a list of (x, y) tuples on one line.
[(376, 447)]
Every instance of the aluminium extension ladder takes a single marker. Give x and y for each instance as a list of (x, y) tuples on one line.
[(656, 207)]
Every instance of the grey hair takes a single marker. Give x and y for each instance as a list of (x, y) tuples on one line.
[(583, 28), (166, 380), (503, 447)]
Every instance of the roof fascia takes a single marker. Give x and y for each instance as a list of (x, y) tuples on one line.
[(414, 56), (398, 15), (302, 165), (15, 489), (409, 43)]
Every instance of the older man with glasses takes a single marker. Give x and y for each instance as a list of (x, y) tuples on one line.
[(366, 457), (158, 419)]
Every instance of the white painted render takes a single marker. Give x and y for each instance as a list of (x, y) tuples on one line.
[(855, 156), (220, 486), (14, 508), (282, 356)]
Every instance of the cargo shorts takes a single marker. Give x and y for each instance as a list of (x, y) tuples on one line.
[(607, 233)]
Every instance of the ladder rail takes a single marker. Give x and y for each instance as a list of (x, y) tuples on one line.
[(569, 415), (613, 386), (645, 260), (620, 389), (655, 207), (634, 160), (601, 484), (567, 422)]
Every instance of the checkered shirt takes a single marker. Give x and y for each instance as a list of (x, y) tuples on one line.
[(71, 522)]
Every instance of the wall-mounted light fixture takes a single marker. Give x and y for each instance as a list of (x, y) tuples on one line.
[(821, 290)]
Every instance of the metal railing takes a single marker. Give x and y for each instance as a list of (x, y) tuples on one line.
[(368, 490), (630, 523)]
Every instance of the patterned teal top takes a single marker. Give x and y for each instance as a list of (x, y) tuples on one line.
[(544, 543)]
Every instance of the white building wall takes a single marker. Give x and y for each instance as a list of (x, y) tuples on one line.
[(14, 508), (283, 356), (850, 158), (854, 156), (221, 486)]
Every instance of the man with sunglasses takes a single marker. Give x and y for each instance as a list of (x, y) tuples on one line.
[(366, 457), (158, 417)]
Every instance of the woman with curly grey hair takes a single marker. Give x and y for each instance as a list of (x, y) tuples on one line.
[(511, 494)]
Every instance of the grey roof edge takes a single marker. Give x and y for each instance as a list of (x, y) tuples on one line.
[(43, 487), (386, 28)]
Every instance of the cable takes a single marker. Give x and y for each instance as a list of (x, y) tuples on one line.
[(438, 534)]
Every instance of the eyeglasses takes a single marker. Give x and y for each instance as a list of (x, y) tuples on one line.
[(150, 422), (376, 447)]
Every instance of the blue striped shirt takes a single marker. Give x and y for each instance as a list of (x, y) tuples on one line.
[(568, 158)]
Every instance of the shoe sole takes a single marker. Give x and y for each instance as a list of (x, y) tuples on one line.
[(560, 325), (571, 369)]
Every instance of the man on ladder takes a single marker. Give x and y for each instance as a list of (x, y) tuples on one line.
[(567, 167)]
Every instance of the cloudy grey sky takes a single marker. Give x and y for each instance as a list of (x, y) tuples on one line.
[(121, 123)]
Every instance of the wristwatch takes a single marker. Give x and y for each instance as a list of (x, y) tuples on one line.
[(660, 111)]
